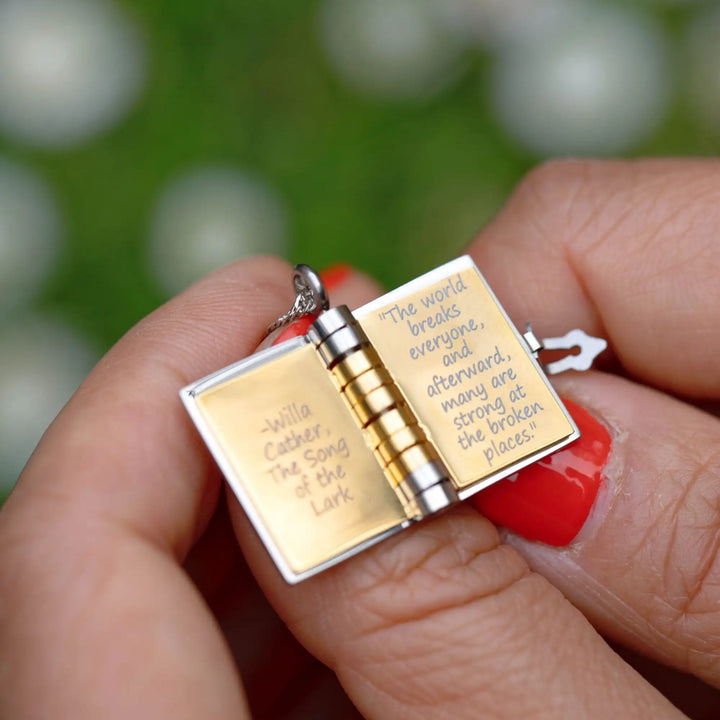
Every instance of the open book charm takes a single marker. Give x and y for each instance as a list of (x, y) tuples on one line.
[(378, 418)]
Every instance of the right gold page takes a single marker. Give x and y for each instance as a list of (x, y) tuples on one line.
[(468, 374)]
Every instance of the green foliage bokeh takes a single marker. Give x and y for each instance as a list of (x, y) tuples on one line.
[(392, 188)]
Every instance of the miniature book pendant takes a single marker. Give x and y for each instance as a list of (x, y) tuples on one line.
[(378, 418)]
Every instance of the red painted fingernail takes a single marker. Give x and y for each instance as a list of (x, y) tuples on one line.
[(335, 275), (299, 327), (550, 500)]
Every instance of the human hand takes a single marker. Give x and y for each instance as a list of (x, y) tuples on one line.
[(98, 618)]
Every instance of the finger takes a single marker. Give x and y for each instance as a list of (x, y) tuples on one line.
[(116, 492), (346, 286), (280, 676), (442, 621), (645, 566), (120, 488), (624, 249), (127, 416)]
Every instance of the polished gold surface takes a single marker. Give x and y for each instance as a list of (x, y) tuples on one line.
[(401, 441), (389, 423), (301, 458), (364, 384), (409, 461), (480, 398), (356, 364), (378, 401), (332, 447), (400, 444)]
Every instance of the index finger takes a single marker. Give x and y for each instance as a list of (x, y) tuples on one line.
[(127, 415), (624, 249), (113, 497)]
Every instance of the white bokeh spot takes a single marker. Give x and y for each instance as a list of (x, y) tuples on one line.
[(702, 53), (492, 23), (69, 69), (30, 233), (597, 81), (395, 49), (41, 365), (209, 217)]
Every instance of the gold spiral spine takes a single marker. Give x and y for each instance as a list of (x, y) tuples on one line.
[(400, 444), (410, 461)]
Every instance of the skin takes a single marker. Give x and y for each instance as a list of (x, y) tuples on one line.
[(123, 593)]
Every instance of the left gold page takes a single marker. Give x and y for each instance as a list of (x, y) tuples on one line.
[(302, 463)]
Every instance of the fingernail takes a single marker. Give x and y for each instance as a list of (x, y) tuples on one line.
[(335, 275), (550, 500), (299, 327)]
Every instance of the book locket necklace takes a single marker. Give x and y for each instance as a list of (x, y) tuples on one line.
[(380, 417)]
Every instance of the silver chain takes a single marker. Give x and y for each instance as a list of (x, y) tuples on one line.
[(310, 297)]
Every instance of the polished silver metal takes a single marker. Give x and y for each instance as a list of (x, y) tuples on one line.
[(436, 498), (336, 334), (532, 340), (330, 322), (341, 343), (430, 487), (304, 279), (311, 297), (426, 476), (590, 348)]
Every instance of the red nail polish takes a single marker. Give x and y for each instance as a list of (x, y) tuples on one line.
[(299, 327), (334, 275), (550, 500)]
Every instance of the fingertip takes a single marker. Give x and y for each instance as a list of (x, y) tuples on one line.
[(550, 501), (128, 414), (336, 274), (348, 286)]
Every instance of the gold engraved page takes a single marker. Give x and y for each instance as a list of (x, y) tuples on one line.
[(481, 398), (301, 458)]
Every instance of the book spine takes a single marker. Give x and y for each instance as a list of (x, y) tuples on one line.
[(410, 461)]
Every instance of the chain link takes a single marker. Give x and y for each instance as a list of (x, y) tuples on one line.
[(303, 305), (310, 297)]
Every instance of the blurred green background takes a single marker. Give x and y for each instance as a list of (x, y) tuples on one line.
[(391, 182)]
